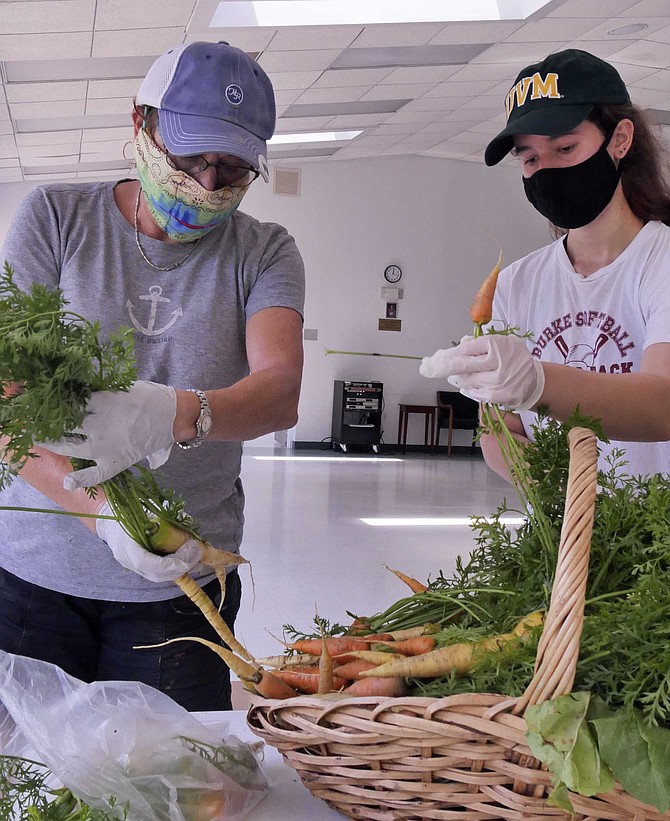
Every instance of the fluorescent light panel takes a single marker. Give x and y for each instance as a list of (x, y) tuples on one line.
[(35, 125), (313, 137), (442, 521), (408, 56), (355, 12), (73, 168), (77, 68), (296, 153), (339, 109), (376, 459)]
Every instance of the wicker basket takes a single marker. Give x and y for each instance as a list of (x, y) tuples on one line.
[(464, 756)]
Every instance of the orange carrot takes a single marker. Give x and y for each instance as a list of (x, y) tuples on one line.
[(353, 669), (336, 645), (409, 647), (414, 585), (307, 682), (481, 310), (385, 687), (271, 686), (375, 656)]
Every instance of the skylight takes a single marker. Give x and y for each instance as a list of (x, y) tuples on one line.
[(354, 12), (313, 137)]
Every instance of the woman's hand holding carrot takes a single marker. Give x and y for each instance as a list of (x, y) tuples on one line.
[(133, 556)]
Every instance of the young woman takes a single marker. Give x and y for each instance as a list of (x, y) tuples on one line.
[(597, 300)]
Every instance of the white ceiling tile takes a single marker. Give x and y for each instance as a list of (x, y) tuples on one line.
[(44, 16), (286, 97), (131, 42), (115, 105), (57, 108), (293, 80), (644, 53), (45, 46), (104, 156), (252, 40), (129, 14), (591, 8), (453, 89), (475, 138), (601, 48), (48, 138), (10, 175), (517, 54), (649, 8), (420, 74), (397, 34), (475, 32), (647, 97), (389, 92), (602, 31), (478, 72), (419, 142), (100, 89), (351, 77), (122, 132), (632, 74), (488, 127), (116, 147), (444, 130), (45, 92), (6, 127), (332, 95), (31, 153), (47, 177), (314, 60), (554, 30), (10, 162), (453, 148), (297, 38), (469, 115), (8, 146), (48, 160), (381, 141), (659, 36), (395, 128), (417, 117), (486, 102), (101, 175), (657, 80)]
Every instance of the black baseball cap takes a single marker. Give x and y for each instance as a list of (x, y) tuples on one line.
[(554, 96)]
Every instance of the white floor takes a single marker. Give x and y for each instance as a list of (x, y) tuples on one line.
[(309, 547)]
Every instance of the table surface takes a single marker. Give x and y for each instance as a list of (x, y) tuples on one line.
[(287, 799)]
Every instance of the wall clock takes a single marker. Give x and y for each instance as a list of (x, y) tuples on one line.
[(392, 273)]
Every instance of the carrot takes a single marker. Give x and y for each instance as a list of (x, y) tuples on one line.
[(385, 687), (481, 310), (326, 681), (414, 585), (269, 686), (309, 682), (409, 647), (202, 601), (336, 645), (352, 669), (411, 632), (375, 656), (458, 658), (295, 660)]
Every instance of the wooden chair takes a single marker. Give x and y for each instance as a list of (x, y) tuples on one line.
[(456, 412)]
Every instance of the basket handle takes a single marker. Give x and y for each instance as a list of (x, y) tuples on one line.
[(558, 649)]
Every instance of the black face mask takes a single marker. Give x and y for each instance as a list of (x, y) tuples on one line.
[(573, 197)]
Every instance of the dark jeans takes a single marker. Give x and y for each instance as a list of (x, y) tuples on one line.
[(93, 640)]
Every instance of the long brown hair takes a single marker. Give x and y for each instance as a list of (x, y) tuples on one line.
[(644, 168)]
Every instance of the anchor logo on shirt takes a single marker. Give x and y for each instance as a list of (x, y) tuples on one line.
[(154, 298)]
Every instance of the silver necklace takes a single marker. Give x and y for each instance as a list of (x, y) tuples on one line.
[(140, 249)]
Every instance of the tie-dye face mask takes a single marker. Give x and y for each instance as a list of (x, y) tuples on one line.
[(179, 205)]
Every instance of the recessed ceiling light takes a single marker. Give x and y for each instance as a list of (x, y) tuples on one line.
[(631, 28), (313, 137), (354, 12)]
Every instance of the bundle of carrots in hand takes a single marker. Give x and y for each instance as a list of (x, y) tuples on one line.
[(51, 361)]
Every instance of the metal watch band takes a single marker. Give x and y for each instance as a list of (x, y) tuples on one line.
[(203, 424)]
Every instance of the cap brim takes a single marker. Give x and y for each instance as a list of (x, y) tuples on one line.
[(187, 134), (550, 122)]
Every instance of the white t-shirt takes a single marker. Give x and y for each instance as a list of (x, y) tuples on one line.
[(602, 322)]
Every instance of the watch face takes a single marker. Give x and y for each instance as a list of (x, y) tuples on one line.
[(392, 273), (206, 424)]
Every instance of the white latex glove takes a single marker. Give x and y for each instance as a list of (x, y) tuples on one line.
[(134, 557), (494, 368), (121, 429)]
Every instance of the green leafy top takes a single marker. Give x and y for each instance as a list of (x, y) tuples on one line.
[(51, 360)]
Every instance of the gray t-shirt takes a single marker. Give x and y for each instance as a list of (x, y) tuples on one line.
[(189, 333)]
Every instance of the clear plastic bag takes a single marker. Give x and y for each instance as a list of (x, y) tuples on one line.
[(126, 741)]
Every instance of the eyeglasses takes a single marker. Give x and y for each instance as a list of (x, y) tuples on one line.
[(238, 176)]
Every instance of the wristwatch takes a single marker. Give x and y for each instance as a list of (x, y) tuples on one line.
[(203, 424)]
